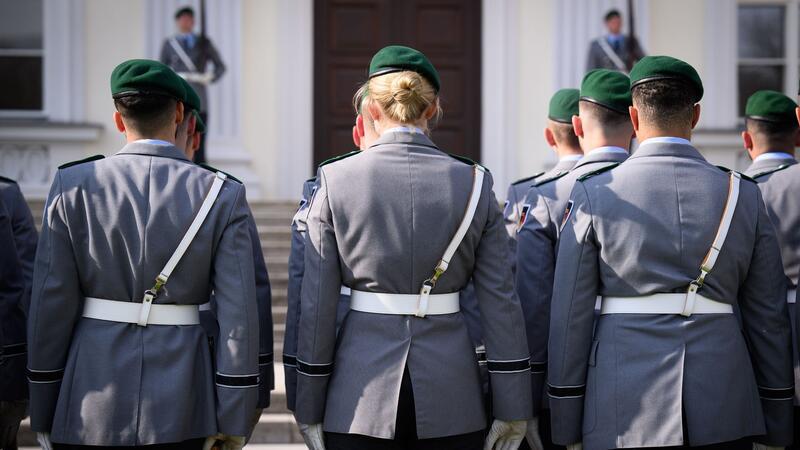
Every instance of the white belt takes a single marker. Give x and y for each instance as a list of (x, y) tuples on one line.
[(403, 304), (791, 296), (663, 304), (129, 312)]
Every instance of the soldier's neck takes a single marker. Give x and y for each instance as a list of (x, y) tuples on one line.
[(131, 136), (644, 133), (568, 151)]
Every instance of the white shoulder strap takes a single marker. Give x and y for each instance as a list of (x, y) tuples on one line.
[(182, 54), (612, 55), (478, 175)]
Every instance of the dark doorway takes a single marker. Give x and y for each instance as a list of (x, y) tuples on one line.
[(348, 32)]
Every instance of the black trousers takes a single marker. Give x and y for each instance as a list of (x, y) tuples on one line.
[(11, 414), (200, 154), (405, 432), (191, 444), (796, 444)]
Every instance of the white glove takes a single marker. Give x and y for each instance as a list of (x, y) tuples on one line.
[(532, 435), (312, 435), (505, 435), (578, 446), (226, 442), (757, 446), (44, 441)]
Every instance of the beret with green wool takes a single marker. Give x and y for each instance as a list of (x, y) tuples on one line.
[(398, 58), (608, 88), (771, 106), (655, 68), (200, 126), (192, 100), (146, 77), (564, 105)]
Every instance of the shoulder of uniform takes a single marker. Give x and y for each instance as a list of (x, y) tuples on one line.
[(756, 176), (215, 170), (743, 176), (551, 178), (588, 175), (339, 158), (7, 180), (526, 179), (466, 160), (81, 161)]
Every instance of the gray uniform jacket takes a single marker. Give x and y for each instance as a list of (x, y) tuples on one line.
[(379, 222), (644, 228), (200, 55), (598, 59), (779, 181), (13, 385), (536, 259), (25, 235), (109, 228)]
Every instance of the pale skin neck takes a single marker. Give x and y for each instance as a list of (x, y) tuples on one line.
[(592, 141), (757, 150), (646, 132), (564, 150), (167, 135), (386, 124)]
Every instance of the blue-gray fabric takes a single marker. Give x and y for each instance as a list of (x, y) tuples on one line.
[(200, 56), (647, 380), (379, 222), (597, 58), (109, 227), (13, 385)]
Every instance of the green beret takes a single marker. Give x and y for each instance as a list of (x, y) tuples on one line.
[(564, 105), (770, 106), (200, 126), (397, 58), (146, 77), (192, 100), (608, 88), (654, 68)]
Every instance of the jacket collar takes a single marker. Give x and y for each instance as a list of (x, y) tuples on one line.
[(393, 137), (761, 164), (679, 148), (149, 147), (599, 155)]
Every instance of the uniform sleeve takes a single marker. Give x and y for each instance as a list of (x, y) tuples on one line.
[(510, 213), (12, 287), (765, 319), (508, 360), (238, 318), (219, 66), (164, 55), (575, 288), (56, 302), (535, 256), (591, 58), (318, 305), (266, 366), (25, 235)]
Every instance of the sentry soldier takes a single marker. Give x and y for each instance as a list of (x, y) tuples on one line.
[(605, 132), (208, 312), (560, 136), (404, 372), (130, 246), (13, 288), (770, 138), (671, 243)]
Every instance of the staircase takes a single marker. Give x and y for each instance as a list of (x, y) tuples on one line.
[(273, 220)]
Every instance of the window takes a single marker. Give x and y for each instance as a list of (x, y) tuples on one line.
[(21, 57)]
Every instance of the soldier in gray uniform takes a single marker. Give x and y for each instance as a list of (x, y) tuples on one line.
[(770, 139), (671, 243), (402, 372), (605, 131), (614, 51), (188, 54), (13, 386), (560, 136), (25, 235), (130, 246)]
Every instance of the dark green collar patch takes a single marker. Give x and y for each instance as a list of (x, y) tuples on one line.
[(339, 158), (769, 171), (7, 180), (214, 169), (311, 180), (81, 161), (554, 177), (467, 161), (588, 175), (531, 178)]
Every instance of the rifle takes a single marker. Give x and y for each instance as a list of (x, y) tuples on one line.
[(203, 39), (632, 44)]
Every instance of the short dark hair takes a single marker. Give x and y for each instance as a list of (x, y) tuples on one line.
[(612, 14), (778, 135), (606, 116), (147, 114), (185, 11), (564, 134), (668, 103)]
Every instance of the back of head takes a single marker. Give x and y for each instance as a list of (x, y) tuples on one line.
[(771, 121), (605, 98), (147, 115), (664, 91), (607, 121), (403, 96)]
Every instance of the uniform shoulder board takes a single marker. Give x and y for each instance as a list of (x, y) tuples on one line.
[(588, 175), (743, 176), (7, 180), (311, 180), (758, 175), (466, 160), (546, 180), (531, 178), (81, 161), (339, 158), (214, 169)]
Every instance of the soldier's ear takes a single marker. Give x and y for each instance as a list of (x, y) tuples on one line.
[(695, 115), (548, 136), (747, 139), (118, 122), (634, 118), (797, 113), (577, 125), (179, 113)]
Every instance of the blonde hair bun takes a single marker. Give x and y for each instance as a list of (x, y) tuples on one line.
[(403, 96)]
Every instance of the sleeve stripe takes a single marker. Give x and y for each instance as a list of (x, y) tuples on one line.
[(289, 360), (776, 394), (9, 351), (511, 366), (236, 381), (314, 370), (265, 359), (566, 391), (45, 376), (538, 367)]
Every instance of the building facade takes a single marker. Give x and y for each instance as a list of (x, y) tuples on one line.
[(293, 66)]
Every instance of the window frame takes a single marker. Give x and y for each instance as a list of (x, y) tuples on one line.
[(30, 52)]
